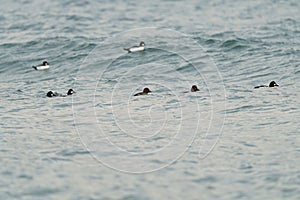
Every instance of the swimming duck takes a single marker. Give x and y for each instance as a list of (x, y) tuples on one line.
[(70, 92), (141, 47), (51, 94), (43, 66), (55, 94), (272, 84), (145, 92), (194, 88)]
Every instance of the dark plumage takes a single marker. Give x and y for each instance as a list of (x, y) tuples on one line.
[(272, 84), (54, 94), (194, 88), (51, 94), (45, 63), (70, 92), (145, 92)]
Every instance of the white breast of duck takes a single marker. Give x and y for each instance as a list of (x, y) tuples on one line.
[(137, 48), (141, 47), (43, 66)]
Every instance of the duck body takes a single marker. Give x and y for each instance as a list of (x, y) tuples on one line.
[(194, 88), (51, 94), (145, 92), (70, 92), (141, 47), (55, 94), (272, 84), (43, 66)]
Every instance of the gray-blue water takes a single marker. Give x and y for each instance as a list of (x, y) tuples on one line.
[(227, 141)]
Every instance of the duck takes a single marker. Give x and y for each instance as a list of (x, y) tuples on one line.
[(55, 94), (272, 84), (141, 47), (43, 66), (51, 94), (70, 92), (194, 88), (145, 92)]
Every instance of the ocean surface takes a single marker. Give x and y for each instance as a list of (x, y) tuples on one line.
[(227, 141)]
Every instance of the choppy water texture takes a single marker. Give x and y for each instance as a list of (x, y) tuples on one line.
[(103, 143)]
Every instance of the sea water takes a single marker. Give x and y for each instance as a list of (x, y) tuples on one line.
[(227, 141)]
